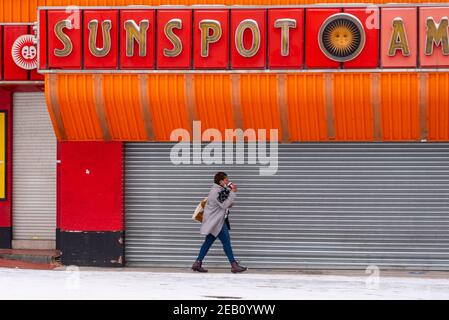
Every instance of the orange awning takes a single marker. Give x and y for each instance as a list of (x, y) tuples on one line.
[(302, 106)]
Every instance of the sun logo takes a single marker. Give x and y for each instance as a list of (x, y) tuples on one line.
[(24, 52), (341, 37)]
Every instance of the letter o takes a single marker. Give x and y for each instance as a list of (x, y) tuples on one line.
[(255, 46)]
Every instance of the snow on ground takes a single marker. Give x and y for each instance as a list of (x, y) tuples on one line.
[(74, 284)]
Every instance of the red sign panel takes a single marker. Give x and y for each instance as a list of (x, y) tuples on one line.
[(399, 37), (369, 56), (315, 57), (11, 71), (18, 53), (286, 38), (230, 38), (248, 43), (101, 39), (64, 38), (42, 43), (174, 41), (211, 34), (434, 47), (140, 26)]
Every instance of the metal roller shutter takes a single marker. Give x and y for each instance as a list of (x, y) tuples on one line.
[(331, 205), (34, 169)]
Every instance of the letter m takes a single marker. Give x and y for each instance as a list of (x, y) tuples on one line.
[(436, 34)]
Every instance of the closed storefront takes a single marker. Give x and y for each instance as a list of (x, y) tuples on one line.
[(330, 205), (354, 98), (34, 172)]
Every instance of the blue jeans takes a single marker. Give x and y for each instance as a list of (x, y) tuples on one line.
[(225, 240)]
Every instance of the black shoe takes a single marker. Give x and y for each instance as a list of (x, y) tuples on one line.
[(235, 267), (197, 267)]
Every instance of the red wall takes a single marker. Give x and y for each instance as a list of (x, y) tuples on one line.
[(90, 189), (5, 205)]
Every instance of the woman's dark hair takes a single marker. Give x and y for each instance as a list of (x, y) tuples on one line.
[(219, 176)]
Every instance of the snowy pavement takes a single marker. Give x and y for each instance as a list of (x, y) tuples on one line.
[(74, 284)]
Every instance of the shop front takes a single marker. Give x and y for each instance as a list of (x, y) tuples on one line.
[(28, 145), (343, 111)]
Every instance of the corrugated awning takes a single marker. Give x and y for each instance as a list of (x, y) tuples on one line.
[(303, 106)]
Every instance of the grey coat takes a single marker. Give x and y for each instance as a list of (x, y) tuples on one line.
[(214, 211)]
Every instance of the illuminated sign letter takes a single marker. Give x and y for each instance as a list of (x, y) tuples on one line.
[(65, 40), (174, 39), (93, 33), (285, 25), (398, 39), (206, 38), (436, 34), (252, 25), (137, 33)]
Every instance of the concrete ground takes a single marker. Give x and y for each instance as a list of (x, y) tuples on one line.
[(350, 273), (183, 284)]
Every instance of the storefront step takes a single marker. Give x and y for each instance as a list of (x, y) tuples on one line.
[(17, 264), (31, 256)]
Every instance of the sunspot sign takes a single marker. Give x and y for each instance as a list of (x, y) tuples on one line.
[(24, 52)]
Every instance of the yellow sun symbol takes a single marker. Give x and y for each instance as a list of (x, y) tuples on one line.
[(342, 38)]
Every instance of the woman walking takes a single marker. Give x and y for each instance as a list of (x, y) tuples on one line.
[(219, 200)]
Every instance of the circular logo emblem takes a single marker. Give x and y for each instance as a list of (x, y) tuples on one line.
[(24, 52), (341, 37)]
